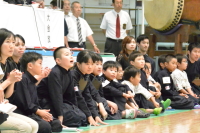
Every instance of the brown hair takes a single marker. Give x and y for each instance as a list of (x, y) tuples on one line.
[(126, 40)]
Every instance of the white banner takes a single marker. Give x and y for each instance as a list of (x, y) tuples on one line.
[(33, 25)]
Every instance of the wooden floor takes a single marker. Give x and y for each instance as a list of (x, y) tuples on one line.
[(182, 122)]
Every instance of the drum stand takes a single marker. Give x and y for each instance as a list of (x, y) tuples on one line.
[(186, 33)]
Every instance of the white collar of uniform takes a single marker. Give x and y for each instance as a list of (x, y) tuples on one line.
[(73, 17), (116, 12), (69, 14), (126, 82)]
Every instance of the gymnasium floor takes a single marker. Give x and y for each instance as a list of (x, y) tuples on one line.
[(172, 121)]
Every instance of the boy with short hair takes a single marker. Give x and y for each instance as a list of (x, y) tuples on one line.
[(106, 108), (179, 101), (180, 78), (25, 95), (137, 60), (56, 91), (132, 79), (116, 92)]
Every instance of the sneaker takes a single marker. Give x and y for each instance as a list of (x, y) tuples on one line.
[(157, 111), (166, 103), (142, 114), (197, 107), (131, 113)]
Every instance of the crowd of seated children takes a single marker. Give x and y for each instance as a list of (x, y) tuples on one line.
[(128, 46), (120, 94), (13, 121), (56, 92), (137, 59), (48, 100), (84, 67), (180, 79), (193, 69), (178, 100), (132, 77), (111, 108)]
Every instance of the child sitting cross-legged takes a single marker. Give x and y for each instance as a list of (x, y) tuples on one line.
[(142, 95), (180, 79), (117, 92), (25, 95), (179, 100), (137, 60)]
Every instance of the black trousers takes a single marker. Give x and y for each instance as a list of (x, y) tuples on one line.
[(76, 44), (113, 46), (180, 102), (47, 127)]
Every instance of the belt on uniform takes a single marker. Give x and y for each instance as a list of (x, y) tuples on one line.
[(117, 40)]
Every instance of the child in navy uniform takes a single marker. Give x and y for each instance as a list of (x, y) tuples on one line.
[(178, 101), (56, 92), (25, 96), (111, 108), (84, 67), (117, 92), (137, 60)]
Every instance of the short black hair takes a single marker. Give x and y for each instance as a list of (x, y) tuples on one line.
[(113, 1), (161, 59), (180, 57), (193, 45), (20, 37), (118, 65), (27, 58), (84, 56), (134, 55), (54, 3), (169, 57), (72, 5), (141, 38), (57, 53), (130, 71), (109, 64), (97, 57)]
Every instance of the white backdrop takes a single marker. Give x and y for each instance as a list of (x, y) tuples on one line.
[(21, 20)]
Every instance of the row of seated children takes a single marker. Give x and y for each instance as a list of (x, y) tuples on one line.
[(174, 83)]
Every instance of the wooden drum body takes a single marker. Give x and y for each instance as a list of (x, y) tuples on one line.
[(164, 15)]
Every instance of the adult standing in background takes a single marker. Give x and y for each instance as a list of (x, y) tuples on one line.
[(67, 9), (116, 24), (79, 29)]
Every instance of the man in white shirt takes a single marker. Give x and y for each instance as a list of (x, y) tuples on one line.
[(115, 25), (67, 9), (79, 29)]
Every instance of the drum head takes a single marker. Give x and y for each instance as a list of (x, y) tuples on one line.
[(163, 15)]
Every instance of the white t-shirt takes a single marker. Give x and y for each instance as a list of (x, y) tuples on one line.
[(180, 79), (109, 24), (139, 89), (73, 31)]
